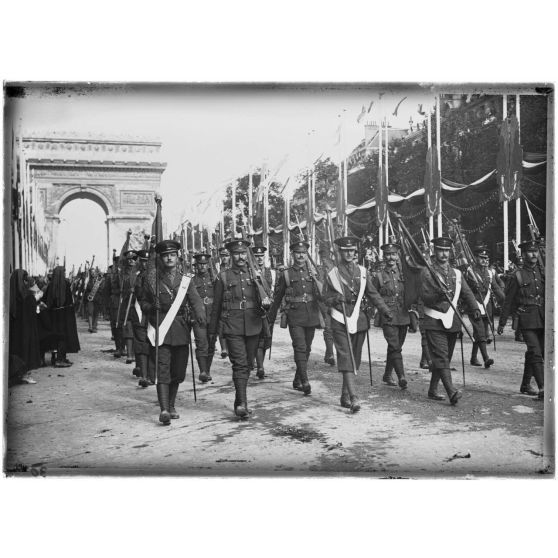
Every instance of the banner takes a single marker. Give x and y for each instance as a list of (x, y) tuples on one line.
[(432, 182), (509, 163)]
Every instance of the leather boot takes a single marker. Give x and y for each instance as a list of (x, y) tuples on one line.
[(349, 385), (433, 388), (173, 390), (142, 362), (345, 398), (400, 372), (488, 362), (297, 384), (538, 373), (203, 376), (424, 361), (241, 400), (387, 378), (163, 396), (526, 388), (303, 374), (129, 351), (118, 342), (474, 360), (453, 394), (329, 358), (260, 374)]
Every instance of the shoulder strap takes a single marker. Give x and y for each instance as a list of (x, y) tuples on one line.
[(287, 277)]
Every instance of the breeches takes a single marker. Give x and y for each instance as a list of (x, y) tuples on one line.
[(395, 336), (534, 339), (242, 352), (141, 345), (481, 330), (342, 347), (441, 345), (93, 312), (302, 338), (202, 341), (173, 361)]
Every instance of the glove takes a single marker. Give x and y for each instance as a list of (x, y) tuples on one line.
[(339, 298), (388, 316), (500, 329), (201, 321), (476, 315)]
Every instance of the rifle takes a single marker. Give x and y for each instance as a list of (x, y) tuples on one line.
[(441, 285), (343, 309)]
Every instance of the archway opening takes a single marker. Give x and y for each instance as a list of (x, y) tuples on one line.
[(82, 233)]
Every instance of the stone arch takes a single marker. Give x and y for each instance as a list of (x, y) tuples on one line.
[(85, 192)]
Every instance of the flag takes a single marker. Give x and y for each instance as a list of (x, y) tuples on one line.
[(157, 227), (420, 111), (509, 162), (412, 263), (370, 107), (432, 182), (362, 114), (125, 248), (398, 105)]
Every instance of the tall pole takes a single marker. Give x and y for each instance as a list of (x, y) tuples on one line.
[(286, 240), (518, 199), (345, 199), (250, 190), (265, 223), (439, 150), (380, 176), (310, 225), (431, 217), (222, 223), (387, 176), (192, 235), (505, 206), (233, 209)]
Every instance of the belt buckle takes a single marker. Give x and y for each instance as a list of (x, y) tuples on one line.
[(206, 300), (304, 298), (242, 305)]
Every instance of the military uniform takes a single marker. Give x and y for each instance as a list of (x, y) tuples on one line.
[(323, 269), (298, 286), (390, 283), (94, 290), (113, 286), (129, 274), (139, 325), (224, 263), (484, 283), (204, 283), (525, 294), (173, 348), (349, 283), (442, 335), (237, 305)]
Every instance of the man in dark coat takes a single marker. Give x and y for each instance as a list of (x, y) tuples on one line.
[(346, 287), (525, 293), (224, 263), (298, 286), (60, 304), (128, 280), (390, 283), (441, 324), (23, 334), (204, 283), (237, 303), (94, 295), (484, 284), (170, 300), (324, 268), (113, 296)]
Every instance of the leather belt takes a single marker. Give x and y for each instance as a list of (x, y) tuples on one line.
[(303, 298), (242, 305), (208, 300)]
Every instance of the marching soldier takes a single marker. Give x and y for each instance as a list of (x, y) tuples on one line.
[(128, 279), (238, 305), (94, 297), (298, 287), (171, 299), (483, 283), (525, 294), (113, 297), (224, 263), (139, 325), (441, 325), (204, 283), (265, 340), (425, 360), (349, 283), (390, 283), (324, 268)]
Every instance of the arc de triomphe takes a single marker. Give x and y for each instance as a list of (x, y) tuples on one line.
[(122, 176)]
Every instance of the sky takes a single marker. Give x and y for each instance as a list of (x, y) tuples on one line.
[(213, 134)]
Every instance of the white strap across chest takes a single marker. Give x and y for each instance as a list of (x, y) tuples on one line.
[(447, 316), (171, 314), (352, 320)]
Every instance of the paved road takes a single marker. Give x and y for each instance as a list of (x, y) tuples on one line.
[(92, 418)]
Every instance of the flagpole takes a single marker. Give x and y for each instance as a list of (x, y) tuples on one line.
[(380, 175), (346, 201), (505, 205), (250, 189), (518, 199), (439, 150), (387, 177), (286, 220), (265, 232), (233, 208), (431, 217)]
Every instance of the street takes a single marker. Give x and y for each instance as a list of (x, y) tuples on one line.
[(92, 418)]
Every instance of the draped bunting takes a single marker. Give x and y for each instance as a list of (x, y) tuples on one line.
[(432, 182), (509, 163), (382, 195)]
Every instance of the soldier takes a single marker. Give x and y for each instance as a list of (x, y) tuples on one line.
[(390, 283), (301, 293), (174, 294), (265, 340), (139, 324), (525, 296), (113, 298), (349, 283), (238, 304), (441, 325), (128, 279), (324, 268), (204, 283), (94, 297), (483, 283), (224, 263)]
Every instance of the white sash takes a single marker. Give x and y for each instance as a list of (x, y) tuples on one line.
[(487, 297), (447, 316), (138, 309), (166, 323), (335, 314)]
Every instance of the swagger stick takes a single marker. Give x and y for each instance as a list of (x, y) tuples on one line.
[(369, 356), (193, 369), (462, 357)]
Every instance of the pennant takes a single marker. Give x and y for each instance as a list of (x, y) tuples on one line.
[(432, 182), (509, 162), (398, 105), (420, 111), (370, 107), (362, 114)]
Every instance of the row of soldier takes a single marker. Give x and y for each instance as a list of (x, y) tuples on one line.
[(154, 308)]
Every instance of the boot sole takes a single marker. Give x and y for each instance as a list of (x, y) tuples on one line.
[(165, 418)]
